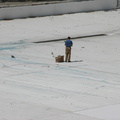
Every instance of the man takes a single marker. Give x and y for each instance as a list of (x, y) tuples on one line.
[(68, 44)]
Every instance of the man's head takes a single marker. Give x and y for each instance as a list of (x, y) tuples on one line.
[(69, 38)]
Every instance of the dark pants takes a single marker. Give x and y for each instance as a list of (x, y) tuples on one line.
[(68, 54)]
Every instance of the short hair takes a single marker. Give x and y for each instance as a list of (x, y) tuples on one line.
[(69, 38)]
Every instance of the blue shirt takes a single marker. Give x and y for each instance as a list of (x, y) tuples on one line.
[(68, 43)]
